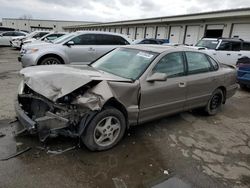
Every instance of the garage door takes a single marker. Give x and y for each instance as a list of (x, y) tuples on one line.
[(192, 35), (161, 33), (241, 31), (131, 32), (139, 33), (149, 32), (124, 31), (112, 30), (175, 32), (118, 30)]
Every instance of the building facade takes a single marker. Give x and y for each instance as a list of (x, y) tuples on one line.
[(187, 29), (34, 24)]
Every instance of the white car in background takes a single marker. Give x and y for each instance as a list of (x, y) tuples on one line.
[(6, 37), (225, 50), (46, 38), (17, 42)]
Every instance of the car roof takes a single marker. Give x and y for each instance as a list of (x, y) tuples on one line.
[(100, 32), (159, 48)]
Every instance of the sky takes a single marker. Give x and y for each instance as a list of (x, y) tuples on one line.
[(110, 10)]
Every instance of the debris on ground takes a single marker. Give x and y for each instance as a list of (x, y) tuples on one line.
[(119, 183), (40, 148), (165, 172), (58, 152), (16, 154), (2, 135)]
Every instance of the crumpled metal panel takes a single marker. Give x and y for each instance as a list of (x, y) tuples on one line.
[(56, 81)]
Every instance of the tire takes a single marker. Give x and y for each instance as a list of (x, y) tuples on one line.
[(215, 102), (50, 61), (105, 130)]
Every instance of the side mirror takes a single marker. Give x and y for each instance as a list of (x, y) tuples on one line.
[(157, 77), (70, 43)]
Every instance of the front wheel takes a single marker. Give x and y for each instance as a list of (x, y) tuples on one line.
[(105, 130), (50, 61), (215, 102)]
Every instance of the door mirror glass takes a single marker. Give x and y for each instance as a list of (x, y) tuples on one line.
[(157, 77), (70, 43)]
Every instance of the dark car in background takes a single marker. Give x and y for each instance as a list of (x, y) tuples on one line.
[(243, 73), (151, 41)]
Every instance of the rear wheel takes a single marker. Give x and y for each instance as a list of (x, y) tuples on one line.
[(50, 61), (215, 102), (105, 130)]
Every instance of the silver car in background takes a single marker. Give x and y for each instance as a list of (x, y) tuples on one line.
[(80, 47)]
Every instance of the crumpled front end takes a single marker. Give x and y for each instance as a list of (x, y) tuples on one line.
[(54, 100), (40, 115)]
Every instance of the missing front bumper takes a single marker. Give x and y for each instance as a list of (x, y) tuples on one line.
[(44, 126)]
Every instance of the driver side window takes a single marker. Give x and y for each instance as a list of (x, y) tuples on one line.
[(171, 64), (85, 39)]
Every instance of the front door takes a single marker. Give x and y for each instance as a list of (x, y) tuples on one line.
[(82, 51), (160, 98)]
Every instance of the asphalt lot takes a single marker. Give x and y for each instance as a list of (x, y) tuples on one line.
[(184, 150)]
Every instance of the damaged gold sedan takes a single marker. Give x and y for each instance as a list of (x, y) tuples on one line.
[(128, 86)]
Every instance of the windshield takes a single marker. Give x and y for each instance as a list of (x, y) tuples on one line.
[(64, 38), (126, 63), (210, 44)]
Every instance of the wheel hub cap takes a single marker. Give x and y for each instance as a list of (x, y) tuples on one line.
[(107, 131)]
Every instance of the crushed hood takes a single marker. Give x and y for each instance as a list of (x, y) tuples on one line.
[(56, 81)]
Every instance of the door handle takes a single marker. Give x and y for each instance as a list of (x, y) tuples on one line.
[(239, 54), (228, 54), (182, 84), (91, 49)]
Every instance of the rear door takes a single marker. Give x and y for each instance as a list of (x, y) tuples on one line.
[(202, 79), (160, 98)]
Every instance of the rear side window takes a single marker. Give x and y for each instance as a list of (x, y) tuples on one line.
[(197, 63), (171, 64), (246, 46), (103, 39)]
